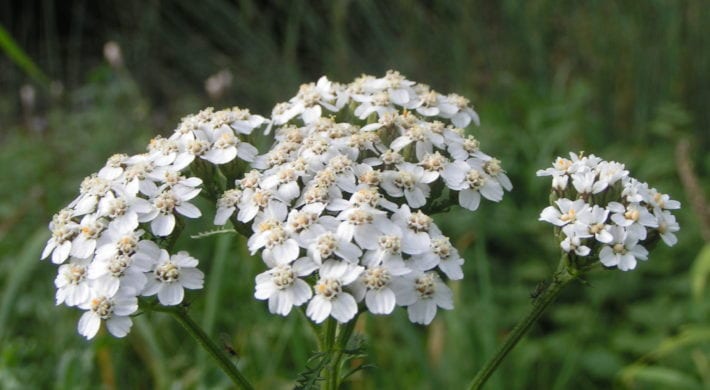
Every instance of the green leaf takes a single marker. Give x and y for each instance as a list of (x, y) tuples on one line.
[(662, 378), (310, 377), (214, 232), (700, 272), (20, 58)]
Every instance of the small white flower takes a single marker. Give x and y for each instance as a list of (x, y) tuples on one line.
[(410, 181), (430, 101), (226, 147), (422, 293), (165, 203), (374, 285), (584, 182), (609, 172), (623, 251), (113, 167), (565, 212), (460, 147), (283, 286), (434, 162), (591, 222), (123, 208), (283, 180), (442, 254), (662, 201), (561, 166), (114, 310), (64, 230), (635, 191), (391, 244), (423, 138), (120, 271), (330, 299), (279, 247), (363, 224), (667, 225), (471, 183), (329, 246), (163, 151), (171, 276), (418, 228), (634, 217), (255, 200), (379, 103), (92, 189), (457, 110), (71, 282), (90, 229), (492, 167), (135, 175), (306, 224), (573, 243), (226, 205)]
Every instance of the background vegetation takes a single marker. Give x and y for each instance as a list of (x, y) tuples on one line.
[(628, 81)]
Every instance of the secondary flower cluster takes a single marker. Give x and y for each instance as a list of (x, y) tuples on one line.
[(107, 258), (336, 208), (605, 214)]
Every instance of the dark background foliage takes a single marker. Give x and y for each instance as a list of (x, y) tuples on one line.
[(628, 81)]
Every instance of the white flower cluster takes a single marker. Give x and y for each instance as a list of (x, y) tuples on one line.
[(337, 206), (107, 259), (605, 214)]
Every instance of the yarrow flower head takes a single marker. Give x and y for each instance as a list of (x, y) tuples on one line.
[(106, 240), (602, 213), (351, 199), (338, 207)]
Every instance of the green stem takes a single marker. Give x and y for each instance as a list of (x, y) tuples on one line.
[(224, 362), (334, 342), (562, 278), (344, 333), (327, 343)]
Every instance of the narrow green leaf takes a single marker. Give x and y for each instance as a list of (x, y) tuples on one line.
[(20, 58), (700, 272), (662, 377)]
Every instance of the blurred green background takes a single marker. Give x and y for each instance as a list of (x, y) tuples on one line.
[(628, 81)]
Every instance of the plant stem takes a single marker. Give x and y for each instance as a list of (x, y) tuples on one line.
[(335, 341), (561, 278), (224, 362), (344, 333), (327, 343)]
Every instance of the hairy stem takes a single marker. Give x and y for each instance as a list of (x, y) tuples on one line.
[(563, 276)]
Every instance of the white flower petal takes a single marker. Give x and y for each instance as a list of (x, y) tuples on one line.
[(171, 294), (380, 302), (89, 324), (119, 326), (163, 225), (344, 307)]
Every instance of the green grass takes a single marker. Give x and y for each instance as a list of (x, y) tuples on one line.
[(623, 81)]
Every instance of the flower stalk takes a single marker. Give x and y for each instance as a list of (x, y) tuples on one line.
[(562, 277), (179, 313), (335, 341)]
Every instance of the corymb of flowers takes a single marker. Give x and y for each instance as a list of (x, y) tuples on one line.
[(601, 213), (338, 208)]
